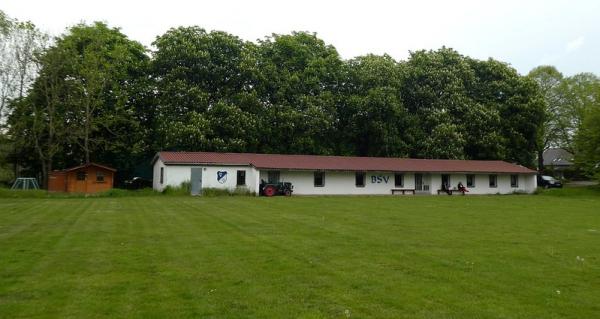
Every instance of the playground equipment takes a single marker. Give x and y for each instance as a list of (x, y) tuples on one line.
[(26, 183)]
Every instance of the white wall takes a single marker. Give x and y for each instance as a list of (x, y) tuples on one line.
[(340, 183), (336, 182), (156, 185), (527, 183), (174, 175)]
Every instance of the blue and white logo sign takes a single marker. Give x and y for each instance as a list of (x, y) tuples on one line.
[(221, 177)]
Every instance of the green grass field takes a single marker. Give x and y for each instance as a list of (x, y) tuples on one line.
[(301, 257)]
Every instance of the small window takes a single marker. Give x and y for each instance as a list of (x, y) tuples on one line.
[(514, 181), (81, 175), (360, 179), (319, 179), (470, 180), (399, 180), (445, 181), (493, 181), (273, 177), (241, 178), (99, 177), (162, 174)]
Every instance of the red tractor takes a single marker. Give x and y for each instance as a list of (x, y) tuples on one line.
[(272, 189)]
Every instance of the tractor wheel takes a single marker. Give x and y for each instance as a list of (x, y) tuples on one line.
[(287, 192), (269, 191)]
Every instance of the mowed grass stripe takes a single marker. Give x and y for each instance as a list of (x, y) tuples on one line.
[(311, 257), (20, 218), (506, 216), (377, 247), (38, 253), (297, 260)]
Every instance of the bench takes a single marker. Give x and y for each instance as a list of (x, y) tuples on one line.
[(451, 191), (403, 190)]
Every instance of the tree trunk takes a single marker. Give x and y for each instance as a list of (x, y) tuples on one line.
[(47, 173), (86, 145), (86, 133), (540, 158), (44, 175), (16, 161)]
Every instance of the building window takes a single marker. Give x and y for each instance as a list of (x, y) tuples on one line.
[(493, 181), (81, 176), (514, 181), (399, 180), (162, 174), (273, 177), (241, 178), (360, 179), (319, 179), (99, 177), (470, 180), (445, 181)]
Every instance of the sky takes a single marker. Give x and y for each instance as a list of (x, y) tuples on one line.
[(523, 33)]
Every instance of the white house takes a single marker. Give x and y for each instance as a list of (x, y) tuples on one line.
[(338, 175)]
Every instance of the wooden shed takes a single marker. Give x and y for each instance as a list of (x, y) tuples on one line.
[(88, 178)]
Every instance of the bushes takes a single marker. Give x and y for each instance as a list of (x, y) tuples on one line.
[(41, 193), (214, 192), (185, 188), (22, 193)]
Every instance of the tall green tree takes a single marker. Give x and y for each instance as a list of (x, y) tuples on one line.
[(434, 92), (82, 108), (465, 108), (37, 122), (567, 100), (298, 85), (100, 64), (587, 143), (507, 115), (372, 120), (582, 94), (585, 115), (551, 132), (20, 42), (204, 83)]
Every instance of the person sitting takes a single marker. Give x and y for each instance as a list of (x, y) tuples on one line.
[(462, 188), (446, 188)]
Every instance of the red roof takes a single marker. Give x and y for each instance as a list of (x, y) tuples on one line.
[(340, 163), (87, 165)]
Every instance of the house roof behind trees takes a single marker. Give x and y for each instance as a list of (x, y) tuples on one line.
[(557, 157), (339, 163)]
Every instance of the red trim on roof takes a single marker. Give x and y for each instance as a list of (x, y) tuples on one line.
[(339, 163), (88, 165)]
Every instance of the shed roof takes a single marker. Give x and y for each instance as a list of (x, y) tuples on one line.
[(88, 165), (339, 163)]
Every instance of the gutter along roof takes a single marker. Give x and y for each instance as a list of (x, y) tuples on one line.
[(339, 163)]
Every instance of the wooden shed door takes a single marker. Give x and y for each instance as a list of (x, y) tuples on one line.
[(81, 182)]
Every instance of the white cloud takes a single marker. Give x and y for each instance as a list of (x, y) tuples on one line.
[(575, 44)]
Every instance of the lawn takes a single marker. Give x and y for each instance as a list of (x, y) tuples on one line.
[(511, 256)]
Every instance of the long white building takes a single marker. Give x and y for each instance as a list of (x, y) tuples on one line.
[(338, 175)]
